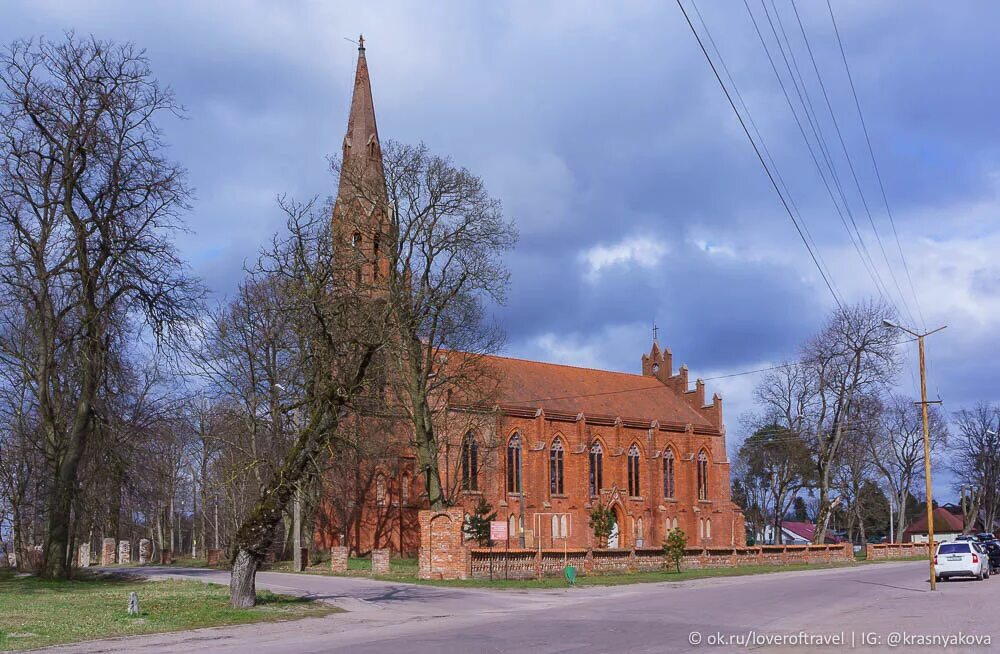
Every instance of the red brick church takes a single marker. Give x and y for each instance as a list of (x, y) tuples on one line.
[(559, 440)]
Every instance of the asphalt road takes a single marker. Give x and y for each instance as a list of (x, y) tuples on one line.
[(865, 606)]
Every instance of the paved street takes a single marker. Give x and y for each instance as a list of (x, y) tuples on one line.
[(383, 617)]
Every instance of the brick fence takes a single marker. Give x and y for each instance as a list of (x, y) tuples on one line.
[(530, 564), (446, 554), (886, 551)]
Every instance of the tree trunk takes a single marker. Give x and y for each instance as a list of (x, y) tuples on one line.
[(242, 579), (823, 516), (58, 509), (901, 518)]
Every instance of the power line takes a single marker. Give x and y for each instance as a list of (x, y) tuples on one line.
[(817, 131), (871, 152), (763, 144), (763, 163), (847, 155)]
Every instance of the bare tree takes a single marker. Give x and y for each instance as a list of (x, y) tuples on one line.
[(896, 449), (87, 201), (852, 357), (338, 332), (780, 461), (976, 461), (444, 239)]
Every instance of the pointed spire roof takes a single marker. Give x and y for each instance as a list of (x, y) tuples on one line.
[(361, 128)]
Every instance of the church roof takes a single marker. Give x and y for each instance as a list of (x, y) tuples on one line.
[(557, 388)]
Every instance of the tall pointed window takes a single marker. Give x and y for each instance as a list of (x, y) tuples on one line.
[(470, 463), (556, 467), (596, 468), (702, 476), (356, 239), (668, 473), (376, 242), (380, 490), (514, 464), (404, 490), (633, 471)]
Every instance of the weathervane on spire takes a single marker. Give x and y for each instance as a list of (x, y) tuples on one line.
[(656, 331)]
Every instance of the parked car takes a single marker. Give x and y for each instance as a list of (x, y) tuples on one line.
[(960, 559), (985, 536), (992, 548)]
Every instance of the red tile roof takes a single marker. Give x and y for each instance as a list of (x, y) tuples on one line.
[(806, 531), (944, 522), (568, 389)]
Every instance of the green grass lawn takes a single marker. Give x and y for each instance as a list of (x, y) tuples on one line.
[(37, 613)]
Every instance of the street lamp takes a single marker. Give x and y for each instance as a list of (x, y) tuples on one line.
[(927, 440)]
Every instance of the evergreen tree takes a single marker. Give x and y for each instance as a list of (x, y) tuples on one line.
[(477, 526)]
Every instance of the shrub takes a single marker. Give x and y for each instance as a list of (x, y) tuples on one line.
[(602, 521), (673, 548)]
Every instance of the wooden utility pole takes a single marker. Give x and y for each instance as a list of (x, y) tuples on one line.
[(927, 443)]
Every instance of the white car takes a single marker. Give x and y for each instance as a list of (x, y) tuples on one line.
[(960, 559)]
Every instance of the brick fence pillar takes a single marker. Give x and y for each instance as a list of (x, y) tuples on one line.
[(83, 555), (380, 561), (145, 551), (214, 558), (124, 552), (338, 559), (443, 554), (108, 551)]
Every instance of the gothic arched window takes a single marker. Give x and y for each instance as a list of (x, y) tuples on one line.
[(702, 476), (380, 490), (404, 490), (596, 468), (470, 463), (514, 464), (356, 239), (633, 471), (668, 473), (556, 467)]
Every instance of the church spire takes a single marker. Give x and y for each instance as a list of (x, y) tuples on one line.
[(361, 226), (361, 140)]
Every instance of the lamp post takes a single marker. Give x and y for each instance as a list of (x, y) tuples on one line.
[(927, 441)]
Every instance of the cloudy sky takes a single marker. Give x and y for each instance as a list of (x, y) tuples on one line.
[(605, 134)]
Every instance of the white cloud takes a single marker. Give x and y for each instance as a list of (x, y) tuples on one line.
[(639, 251)]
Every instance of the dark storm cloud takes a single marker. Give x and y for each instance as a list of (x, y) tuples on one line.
[(600, 127)]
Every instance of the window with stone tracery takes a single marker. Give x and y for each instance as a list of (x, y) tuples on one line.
[(668, 473), (556, 467), (470, 463), (596, 468), (514, 464), (702, 476), (380, 490), (633, 471)]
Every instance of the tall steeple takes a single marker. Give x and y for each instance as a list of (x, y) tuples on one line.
[(361, 143), (361, 226)]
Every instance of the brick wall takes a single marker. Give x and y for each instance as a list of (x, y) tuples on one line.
[(380, 561), (338, 559), (530, 564), (108, 551), (888, 551), (443, 554)]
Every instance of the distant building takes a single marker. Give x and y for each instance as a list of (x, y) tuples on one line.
[(948, 525), (558, 440), (796, 533)]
